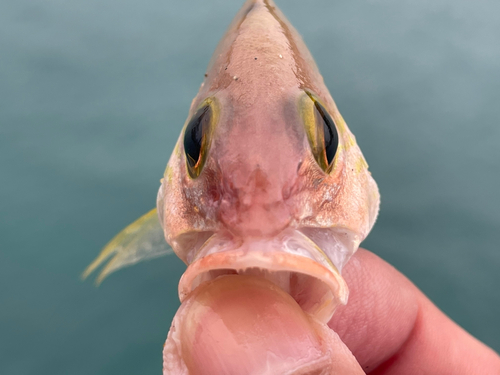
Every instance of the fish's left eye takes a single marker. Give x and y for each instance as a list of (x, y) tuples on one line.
[(321, 131), (330, 136), (197, 138)]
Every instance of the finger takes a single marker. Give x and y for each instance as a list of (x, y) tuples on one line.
[(392, 328), (248, 325)]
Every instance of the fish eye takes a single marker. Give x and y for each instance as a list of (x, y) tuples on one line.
[(330, 136), (197, 138), (321, 131)]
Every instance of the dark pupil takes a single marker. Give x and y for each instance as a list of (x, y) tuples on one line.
[(193, 137), (329, 132)]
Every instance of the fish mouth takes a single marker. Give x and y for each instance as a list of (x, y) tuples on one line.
[(291, 260)]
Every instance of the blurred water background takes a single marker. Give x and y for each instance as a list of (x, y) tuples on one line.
[(93, 95)]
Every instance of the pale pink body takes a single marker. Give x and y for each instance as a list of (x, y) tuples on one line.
[(262, 206)]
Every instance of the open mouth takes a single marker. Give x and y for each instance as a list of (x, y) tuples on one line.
[(291, 260)]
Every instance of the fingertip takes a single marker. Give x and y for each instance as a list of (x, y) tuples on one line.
[(248, 325)]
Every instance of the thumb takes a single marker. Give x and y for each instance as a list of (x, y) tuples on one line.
[(248, 325)]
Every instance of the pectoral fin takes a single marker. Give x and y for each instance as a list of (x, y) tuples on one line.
[(141, 240)]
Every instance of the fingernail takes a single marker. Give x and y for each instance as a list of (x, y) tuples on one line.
[(248, 325)]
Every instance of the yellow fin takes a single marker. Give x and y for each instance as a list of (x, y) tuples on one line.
[(141, 240)]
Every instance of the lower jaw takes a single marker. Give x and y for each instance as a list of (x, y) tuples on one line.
[(291, 261)]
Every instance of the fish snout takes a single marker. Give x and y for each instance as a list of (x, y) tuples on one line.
[(253, 204)]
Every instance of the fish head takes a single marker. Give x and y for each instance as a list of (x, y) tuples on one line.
[(266, 178)]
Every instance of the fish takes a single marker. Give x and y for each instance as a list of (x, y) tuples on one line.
[(266, 183)]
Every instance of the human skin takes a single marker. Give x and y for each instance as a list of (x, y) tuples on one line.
[(389, 325)]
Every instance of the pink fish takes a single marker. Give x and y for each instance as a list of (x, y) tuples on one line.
[(265, 197)]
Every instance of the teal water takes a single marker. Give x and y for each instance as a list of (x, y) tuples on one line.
[(93, 95)]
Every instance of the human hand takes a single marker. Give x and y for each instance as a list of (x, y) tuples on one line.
[(393, 328), (237, 325)]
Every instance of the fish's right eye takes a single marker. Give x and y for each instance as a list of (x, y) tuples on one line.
[(197, 138)]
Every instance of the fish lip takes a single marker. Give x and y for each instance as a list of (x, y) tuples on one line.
[(291, 260)]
